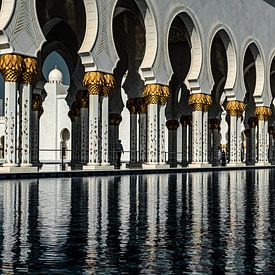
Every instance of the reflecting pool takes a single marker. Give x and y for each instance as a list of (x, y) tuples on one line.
[(151, 224)]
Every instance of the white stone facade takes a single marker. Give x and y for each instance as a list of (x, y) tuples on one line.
[(209, 65)]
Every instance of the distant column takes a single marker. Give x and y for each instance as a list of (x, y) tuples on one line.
[(184, 124), (82, 99), (271, 144), (253, 122), (114, 121), (132, 106), (215, 127), (142, 130), (247, 143), (172, 126), (37, 111)]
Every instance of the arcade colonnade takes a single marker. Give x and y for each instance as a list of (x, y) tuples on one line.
[(239, 94)]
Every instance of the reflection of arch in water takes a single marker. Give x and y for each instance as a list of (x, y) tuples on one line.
[(65, 137)]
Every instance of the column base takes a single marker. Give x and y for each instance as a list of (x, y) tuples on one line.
[(199, 165), (26, 165), (15, 170), (262, 163), (97, 166), (235, 164), (155, 166)]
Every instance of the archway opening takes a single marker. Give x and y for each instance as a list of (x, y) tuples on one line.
[(129, 37), (184, 54)]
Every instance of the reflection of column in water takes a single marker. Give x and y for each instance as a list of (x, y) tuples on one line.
[(179, 196), (54, 209), (124, 209), (9, 225), (23, 220), (151, 238), (93, 186), (104, 214), (224, 185), (195, 253), (262, 252), (204, 198), (162, 213), (235, 240)]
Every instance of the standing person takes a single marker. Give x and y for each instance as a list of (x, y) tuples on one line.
[(119, 150)]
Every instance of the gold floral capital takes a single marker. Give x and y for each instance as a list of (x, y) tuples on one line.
[(156, 94), (109, 84), (142, 105), (235, 108), (94, 81), (132, 105), (186, 120), (263, 113), (214, 124), (30, 70), (172, 125), (82, 99), (36, 103), (11, 67), (200, 102), (115, 119)]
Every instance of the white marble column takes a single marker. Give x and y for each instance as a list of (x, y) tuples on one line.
[(239, 139), (189, 135), (261, 141), (205, 136), (162, 124), (99, 86), (11, 67), (200, 104), (152, 134), (197, 136), (233, 139), (105, 131), (235, 111), (156, 98), (26, 124), (11, 124), (266, 159), (263, 114), (94, 134), (29, 73)]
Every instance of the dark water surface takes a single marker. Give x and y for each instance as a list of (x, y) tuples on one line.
[(156, 224)]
